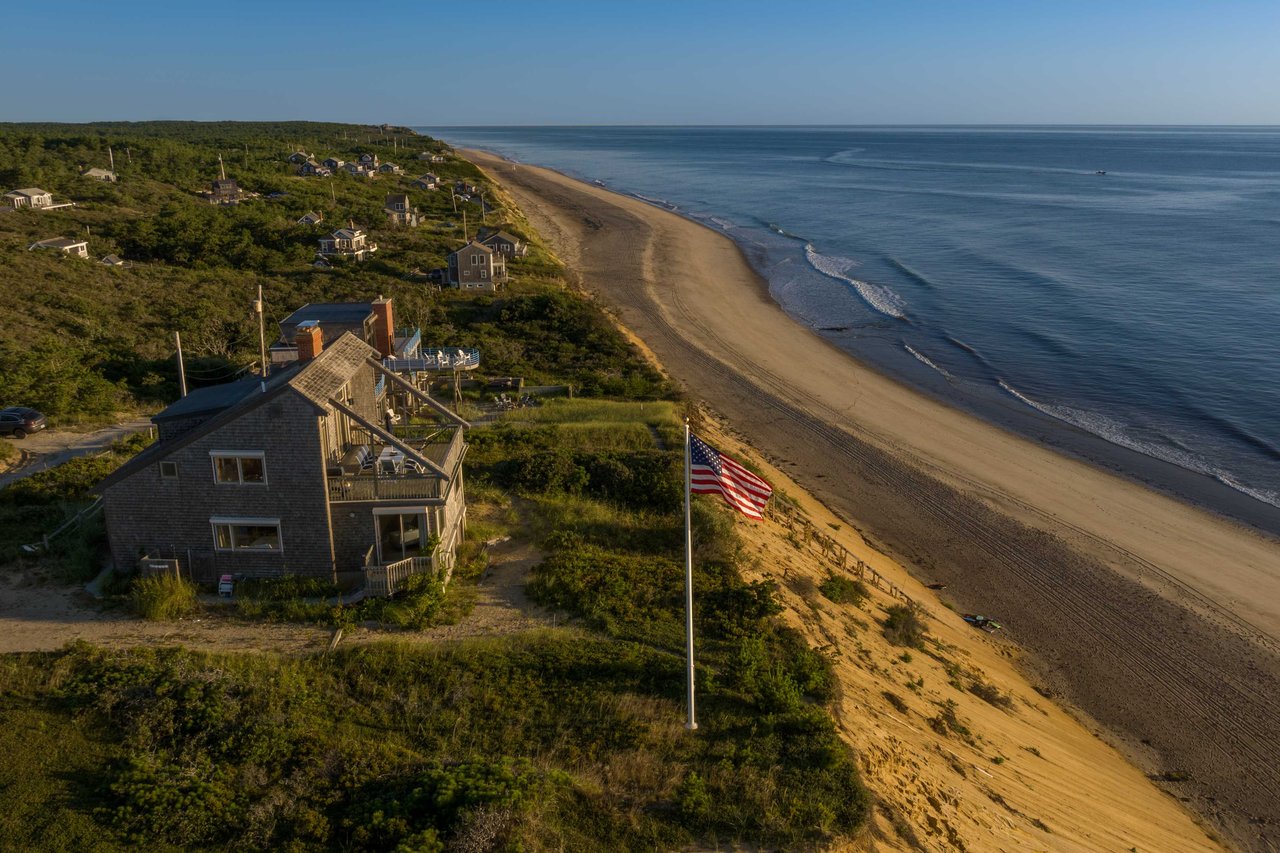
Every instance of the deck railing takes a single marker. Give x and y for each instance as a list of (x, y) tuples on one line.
[(385, 580), (366, 487)]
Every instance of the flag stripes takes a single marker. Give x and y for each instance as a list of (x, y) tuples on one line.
[(713, 473)]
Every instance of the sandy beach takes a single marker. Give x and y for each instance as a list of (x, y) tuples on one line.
[(1158, 620)]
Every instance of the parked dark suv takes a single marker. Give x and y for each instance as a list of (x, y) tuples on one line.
[(19, 421)]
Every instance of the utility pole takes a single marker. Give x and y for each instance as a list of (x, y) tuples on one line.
[(333, 195), (222, 170), (246, 156), (182, 368), (453, 198), (464, 225), (112, 158), (128, 155), (483, 211), (262, 334)]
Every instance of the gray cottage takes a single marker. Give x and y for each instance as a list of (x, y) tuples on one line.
[(301, 473), (477, 267), (504, 243), (349, 243), (400, 211), (99, 175), (32, 197), (226, 191), (79, 248)]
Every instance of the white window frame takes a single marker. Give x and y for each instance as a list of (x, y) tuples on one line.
[(233, 522), (215, 455)]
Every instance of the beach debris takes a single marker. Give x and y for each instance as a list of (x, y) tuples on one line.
[(936, 586), (982, 622)]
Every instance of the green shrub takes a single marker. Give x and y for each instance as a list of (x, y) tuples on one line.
[(163, 597), (842, 590), (903, 626)]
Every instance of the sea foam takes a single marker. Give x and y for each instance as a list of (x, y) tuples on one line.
[(1114, 431), (925, 360), (877, 296)]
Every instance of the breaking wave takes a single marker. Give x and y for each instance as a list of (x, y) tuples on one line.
[(877, 296), (656, 201), (1114, 431), (925, 360)]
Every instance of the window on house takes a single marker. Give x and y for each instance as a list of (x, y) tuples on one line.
[(246, 534), (484, 273), (169, 470), (239, 468)]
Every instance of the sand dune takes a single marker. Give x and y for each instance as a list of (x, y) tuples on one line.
[(1156, 618)]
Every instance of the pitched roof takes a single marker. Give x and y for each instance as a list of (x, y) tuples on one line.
[(507, 236), (96, 173), (57, 243), (474, 245), (394, 197), (348, 233), (315, 380), (29, 192)]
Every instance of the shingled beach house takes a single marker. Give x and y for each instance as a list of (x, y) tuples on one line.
[(332, 466)]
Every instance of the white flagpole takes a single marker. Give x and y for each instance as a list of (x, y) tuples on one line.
[(688, 571)]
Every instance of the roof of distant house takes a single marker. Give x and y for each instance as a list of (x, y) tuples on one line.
[(57, 243), (29, 191), (96, 173), (330, 312)]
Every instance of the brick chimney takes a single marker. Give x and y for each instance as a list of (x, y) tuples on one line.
[(384, 327), (310, 340)]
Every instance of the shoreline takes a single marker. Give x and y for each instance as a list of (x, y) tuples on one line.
[(1000, 406), (1111, 585)]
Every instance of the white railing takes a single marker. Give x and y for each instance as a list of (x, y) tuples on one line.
[(385, 580)]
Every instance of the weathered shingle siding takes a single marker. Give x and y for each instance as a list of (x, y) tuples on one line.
[(170, 518)]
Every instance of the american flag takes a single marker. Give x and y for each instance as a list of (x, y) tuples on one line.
[(712, 473)]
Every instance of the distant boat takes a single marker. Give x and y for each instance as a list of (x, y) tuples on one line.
[(1100, 172), (598, 182)]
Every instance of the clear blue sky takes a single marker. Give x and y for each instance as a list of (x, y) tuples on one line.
[(690, 62)]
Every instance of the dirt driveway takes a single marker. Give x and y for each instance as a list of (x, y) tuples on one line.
[(51, 448)]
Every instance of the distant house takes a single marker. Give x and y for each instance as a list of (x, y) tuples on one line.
[(371, 322), (427, 182), (226, 191), (437, 158), (312, 169), (400, 212), (464, 188), (311, 218), (112, 261), (349, 243), (300, 157), (360, 170), (32, 197), (369, 161), (333, 164), (79, 248), (424, 155), (296, 474), (504, 243), (99, 175), (390, 169), (477, 267)]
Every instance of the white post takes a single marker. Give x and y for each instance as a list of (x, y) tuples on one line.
[(182, 368), (688, 573)]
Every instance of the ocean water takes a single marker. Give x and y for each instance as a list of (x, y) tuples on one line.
[(995, 268)]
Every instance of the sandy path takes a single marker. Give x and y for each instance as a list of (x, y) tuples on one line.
[(49, 448), (1158, 619)]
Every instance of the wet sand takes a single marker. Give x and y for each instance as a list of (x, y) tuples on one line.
[(1157, 619)]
